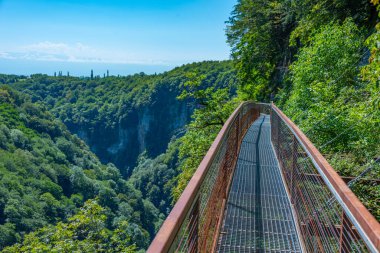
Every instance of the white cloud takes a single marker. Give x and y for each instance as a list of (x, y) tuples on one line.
[(5, 55), (77, 52)]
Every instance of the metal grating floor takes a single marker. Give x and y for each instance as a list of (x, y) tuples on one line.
[(258, 215)]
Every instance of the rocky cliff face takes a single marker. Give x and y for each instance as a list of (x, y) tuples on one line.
[(121, 117), (148, 128)]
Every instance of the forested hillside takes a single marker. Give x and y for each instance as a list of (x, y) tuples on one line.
[(48, 173), (120, 117)]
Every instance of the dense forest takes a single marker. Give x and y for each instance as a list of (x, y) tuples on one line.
[(53, 129), (120, 117), (47, 174), (95, 164)]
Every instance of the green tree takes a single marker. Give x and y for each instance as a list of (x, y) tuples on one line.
[(215, 106), (84, 232)]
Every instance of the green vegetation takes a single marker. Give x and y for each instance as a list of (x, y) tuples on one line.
[(344, 105), (265, 36), (48, 173), (121, 117), (215, 106), (84, 232), (312, 58), (154, 177)]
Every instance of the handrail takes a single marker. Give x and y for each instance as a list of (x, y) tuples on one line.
[(326, 225), (170, 228), (361, 218), (172, 223)]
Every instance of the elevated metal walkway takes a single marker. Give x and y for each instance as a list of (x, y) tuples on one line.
[(258, 215), (264, 187)]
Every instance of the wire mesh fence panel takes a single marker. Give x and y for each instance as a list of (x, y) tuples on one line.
[(324, 224)]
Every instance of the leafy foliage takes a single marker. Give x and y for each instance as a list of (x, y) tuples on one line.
[(214, 107), (255, 35), (319, 79), (154, 177), (318, 69), (47, 174), (120, 117), (338, 109), (84, 232), (265, 36)]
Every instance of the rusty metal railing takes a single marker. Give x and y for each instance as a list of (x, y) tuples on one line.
[(330, 217), (193, 224)]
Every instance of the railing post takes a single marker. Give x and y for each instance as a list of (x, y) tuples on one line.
[(293, 168), (271, 123), (278, 139), (240, 127), (237, 140), (193, 228), (344, 243)]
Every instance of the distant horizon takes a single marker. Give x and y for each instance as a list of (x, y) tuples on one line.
[(28, 68), (83, 70), (44, 36)]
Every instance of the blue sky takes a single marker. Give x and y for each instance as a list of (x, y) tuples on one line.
[(124, 36)]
